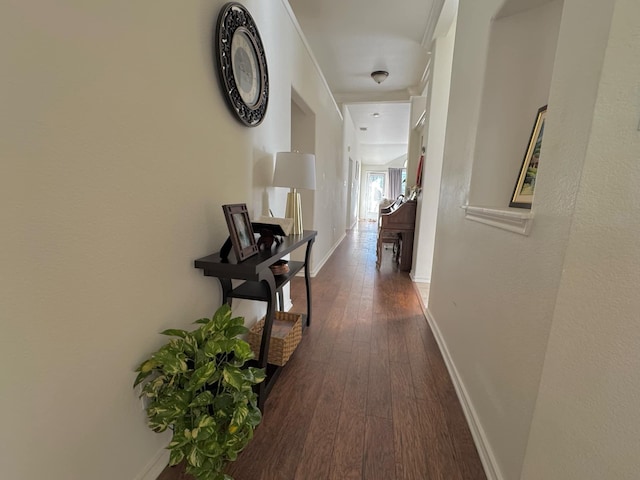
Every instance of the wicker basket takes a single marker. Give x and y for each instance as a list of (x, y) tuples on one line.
[(286, 333)]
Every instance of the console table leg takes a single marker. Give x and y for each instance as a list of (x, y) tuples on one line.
[(225, 283), (263, 387), (307, 278)]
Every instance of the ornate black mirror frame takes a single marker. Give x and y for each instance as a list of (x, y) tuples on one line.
[(232, 17)]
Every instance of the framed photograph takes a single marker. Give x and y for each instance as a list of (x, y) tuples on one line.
[(240, 230), (523, 192)]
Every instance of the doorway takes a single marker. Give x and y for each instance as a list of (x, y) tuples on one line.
[(303, 139), (375, 188)]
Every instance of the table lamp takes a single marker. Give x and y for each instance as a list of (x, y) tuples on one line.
[(295, 170)]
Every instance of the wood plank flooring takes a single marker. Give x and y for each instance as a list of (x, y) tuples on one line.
[(366, 395)]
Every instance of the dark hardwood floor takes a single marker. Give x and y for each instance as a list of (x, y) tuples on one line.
[(366, 395)]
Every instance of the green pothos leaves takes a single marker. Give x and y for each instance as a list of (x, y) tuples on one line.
[(198, 387)]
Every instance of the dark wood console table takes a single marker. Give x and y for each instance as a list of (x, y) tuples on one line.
[(263, 286)]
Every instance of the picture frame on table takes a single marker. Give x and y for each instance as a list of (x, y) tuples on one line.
[(522, 196), (240, 230)]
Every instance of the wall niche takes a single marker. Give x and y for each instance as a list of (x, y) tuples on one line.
[(519, 67)]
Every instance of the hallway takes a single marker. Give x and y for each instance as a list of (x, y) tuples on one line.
[(367, 394)]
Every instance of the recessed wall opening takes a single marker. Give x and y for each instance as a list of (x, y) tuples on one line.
[(303, 140), (520, 59)]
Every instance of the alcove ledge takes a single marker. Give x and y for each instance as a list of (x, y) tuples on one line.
[(512, 220)]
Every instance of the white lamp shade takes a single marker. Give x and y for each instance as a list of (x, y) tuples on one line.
[(295, 170)]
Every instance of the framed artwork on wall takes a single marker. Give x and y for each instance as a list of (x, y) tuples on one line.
[(526, 182), (240, 230)]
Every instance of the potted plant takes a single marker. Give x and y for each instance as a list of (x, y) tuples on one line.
[(198, 386)]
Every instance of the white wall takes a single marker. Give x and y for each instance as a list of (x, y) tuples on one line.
[(587, 419), (418, 125), (493, 292), (351, 150), (117, 152), (435, 129), (331, 192), (520, 63)]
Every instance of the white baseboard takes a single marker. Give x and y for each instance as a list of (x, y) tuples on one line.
[(487, 457), (155, 467), (320, 264), (418, 279)]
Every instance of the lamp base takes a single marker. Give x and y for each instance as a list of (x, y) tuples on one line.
[(294, 211)]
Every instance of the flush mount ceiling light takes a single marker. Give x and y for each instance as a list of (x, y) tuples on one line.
[(379, 76)]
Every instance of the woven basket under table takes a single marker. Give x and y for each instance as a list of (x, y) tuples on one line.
[(286, 333)]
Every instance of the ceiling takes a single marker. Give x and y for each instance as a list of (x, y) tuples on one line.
[(386, 136), (352, 38)]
